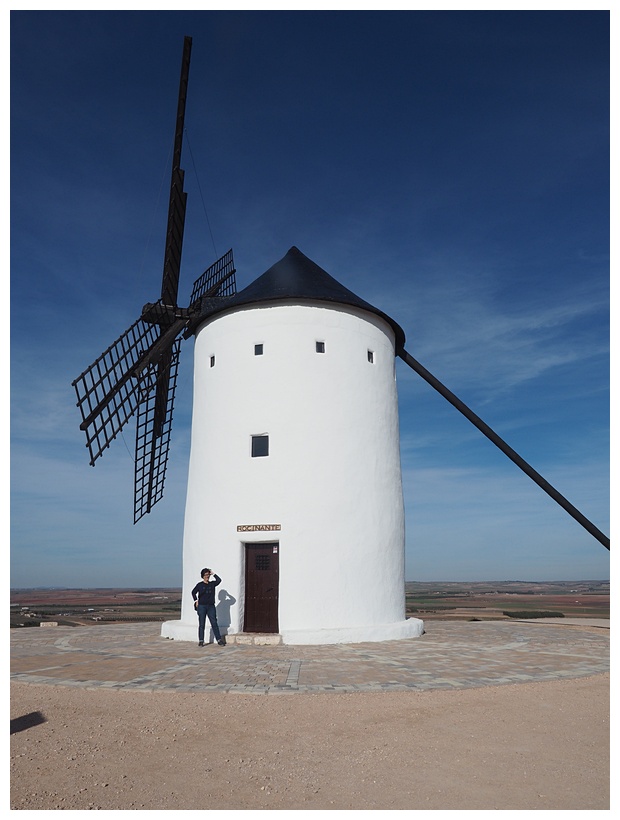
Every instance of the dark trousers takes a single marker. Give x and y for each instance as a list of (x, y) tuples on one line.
[(205, 612)]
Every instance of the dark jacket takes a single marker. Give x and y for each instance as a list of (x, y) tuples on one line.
[(205, 593)]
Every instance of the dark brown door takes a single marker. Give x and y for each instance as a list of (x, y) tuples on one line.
[(261, 588)]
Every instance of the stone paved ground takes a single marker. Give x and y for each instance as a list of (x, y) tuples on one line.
[(450, 655)]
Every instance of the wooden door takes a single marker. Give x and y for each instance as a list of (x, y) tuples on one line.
[(261, 588)]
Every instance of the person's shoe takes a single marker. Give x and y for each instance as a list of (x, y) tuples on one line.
[(201, 643), (222, 642)]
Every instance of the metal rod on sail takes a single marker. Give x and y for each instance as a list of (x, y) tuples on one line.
[(505, 448)]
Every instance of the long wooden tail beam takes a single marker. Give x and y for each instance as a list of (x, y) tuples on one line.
[(505, 448)]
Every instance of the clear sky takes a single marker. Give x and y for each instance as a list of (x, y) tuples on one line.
[(451, 168)]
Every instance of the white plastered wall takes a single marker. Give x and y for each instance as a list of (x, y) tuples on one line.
[(332, 480)]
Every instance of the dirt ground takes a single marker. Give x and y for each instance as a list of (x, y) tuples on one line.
[(525, 746)]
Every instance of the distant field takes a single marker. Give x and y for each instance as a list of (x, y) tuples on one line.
[(427, 600), (489, 601), (79, 607)]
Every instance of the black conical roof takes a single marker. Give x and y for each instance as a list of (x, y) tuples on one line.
[(295, 277)]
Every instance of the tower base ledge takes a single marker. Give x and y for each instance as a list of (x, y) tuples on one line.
[(409, 628)]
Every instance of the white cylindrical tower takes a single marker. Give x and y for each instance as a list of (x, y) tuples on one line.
[(294, 490)]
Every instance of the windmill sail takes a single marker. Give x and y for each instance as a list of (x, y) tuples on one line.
[(138, 372), (178, 197), (106, 391), (217, 280), (155, 412), (153, 429)]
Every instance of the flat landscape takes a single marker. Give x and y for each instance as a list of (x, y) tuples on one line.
[(492, 600), (82, 607), (424, 599)]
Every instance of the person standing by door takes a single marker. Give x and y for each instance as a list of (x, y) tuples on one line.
[(204, 604)]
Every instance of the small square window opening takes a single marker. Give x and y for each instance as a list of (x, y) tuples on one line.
[(260, 446), (258, 350), (320, 347), (371, 356)]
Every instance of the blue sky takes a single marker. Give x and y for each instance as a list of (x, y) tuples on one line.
[(451, 168)]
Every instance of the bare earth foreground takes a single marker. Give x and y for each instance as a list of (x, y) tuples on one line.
[(542, 745)]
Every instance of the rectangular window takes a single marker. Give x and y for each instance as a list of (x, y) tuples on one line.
[(320, 347), (371, 357), (260, 446), (212, 361), (258, 350)]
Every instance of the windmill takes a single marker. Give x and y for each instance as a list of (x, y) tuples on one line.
[(288, 374)]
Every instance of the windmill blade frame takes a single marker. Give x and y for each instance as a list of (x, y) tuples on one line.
[(178, 197), (138, 372), (217, 280), (106, 391), (158, 383), (153, 431), (155, 411)]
